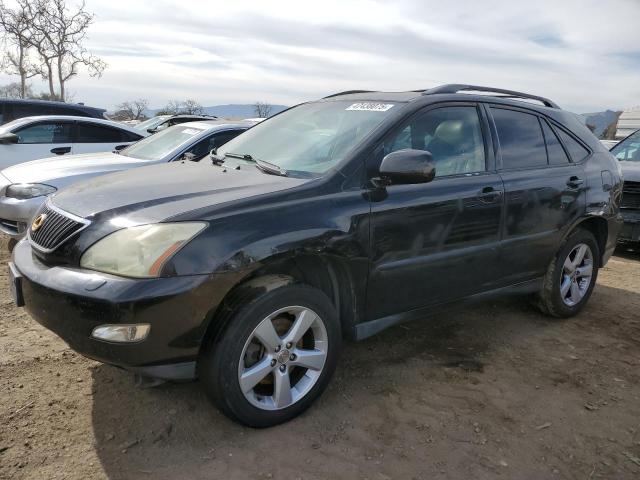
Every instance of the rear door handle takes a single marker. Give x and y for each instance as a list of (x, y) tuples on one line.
[(574, 182), (61, 150), (489, 194)]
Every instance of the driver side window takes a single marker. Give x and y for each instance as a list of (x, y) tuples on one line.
[(453, 135), (629, 149)]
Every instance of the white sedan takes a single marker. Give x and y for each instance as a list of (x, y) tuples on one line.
[(31, 138)]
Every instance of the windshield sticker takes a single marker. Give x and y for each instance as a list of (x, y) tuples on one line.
[(370, 107), (190, 131)]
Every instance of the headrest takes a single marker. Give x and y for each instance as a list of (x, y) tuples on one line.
[(450, 131)]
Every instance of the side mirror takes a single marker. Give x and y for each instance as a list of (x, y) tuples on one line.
[(152, 130), (407, 166), (8, 138)]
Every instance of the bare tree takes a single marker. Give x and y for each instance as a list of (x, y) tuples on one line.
[(65, 30), (16, 90), (133, 109), (191, 107), (176, 107), (15, 26), (262, 109)]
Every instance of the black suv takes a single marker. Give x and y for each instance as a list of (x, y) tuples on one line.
[(12, 109), (334, 219)]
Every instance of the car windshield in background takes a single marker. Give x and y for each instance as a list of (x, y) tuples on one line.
[(629, 149), (158, 146), (310, 138), (151, 123)]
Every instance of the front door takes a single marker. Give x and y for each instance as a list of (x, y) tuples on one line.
[(438, 241)]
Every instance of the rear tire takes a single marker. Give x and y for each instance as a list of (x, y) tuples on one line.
[(275, 356), (571, 276)]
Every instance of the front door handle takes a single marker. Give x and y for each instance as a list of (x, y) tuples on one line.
[(61, 150), (574, 182), (489, 194)]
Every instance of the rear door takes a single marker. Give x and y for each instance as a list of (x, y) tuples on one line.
[(544, 190), (38, 140), (437, 241), (92, 137)]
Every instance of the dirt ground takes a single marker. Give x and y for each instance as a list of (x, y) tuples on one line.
[(491, 391)]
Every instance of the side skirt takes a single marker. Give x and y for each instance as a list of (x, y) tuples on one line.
[(367, 329)]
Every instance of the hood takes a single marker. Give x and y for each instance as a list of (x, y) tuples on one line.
[(631, 171), (47, 170), (158, 192)]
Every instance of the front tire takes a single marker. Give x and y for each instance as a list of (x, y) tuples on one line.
[(275, 356), (571, 276)]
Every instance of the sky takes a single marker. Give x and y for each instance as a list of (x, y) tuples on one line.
[(584, 54)]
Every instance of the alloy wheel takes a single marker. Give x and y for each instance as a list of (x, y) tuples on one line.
[(283, 358), (577, 272)]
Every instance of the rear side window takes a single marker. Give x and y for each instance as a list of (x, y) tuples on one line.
[(47, 132), (575, 149), (521, 141), (557, 155), (89, 133)]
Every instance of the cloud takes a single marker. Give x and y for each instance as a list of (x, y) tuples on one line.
[(582, 53)]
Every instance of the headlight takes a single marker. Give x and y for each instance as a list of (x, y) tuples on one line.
[(140, 251), (23, 191)]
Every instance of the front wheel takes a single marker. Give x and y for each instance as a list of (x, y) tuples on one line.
[(571, 276), (275, 357)]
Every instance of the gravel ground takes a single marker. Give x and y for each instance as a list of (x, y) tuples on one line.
[(492, 391)]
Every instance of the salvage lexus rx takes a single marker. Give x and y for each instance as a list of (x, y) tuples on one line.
[(335, 219)]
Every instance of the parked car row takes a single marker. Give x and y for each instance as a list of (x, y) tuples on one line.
[(24, 187), (334, 219)]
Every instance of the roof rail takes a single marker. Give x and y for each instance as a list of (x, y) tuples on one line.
[(455, 88), (348, 92)]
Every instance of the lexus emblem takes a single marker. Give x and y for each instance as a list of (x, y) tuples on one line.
[(38, 221)]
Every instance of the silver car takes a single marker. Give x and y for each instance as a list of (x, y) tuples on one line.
[(24, 187)]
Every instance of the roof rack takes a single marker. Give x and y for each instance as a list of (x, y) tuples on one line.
[(455, 88), (348, 92)]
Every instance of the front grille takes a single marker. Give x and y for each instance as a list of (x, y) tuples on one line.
[(54, 230), (631, 195)]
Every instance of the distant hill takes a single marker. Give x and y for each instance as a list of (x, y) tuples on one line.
[(601, 121), (233, 110)]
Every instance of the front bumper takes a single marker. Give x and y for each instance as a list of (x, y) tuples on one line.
[(15, 215), (630, 231), (72, 302)]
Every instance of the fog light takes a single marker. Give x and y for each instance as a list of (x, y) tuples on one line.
[(122, 333)]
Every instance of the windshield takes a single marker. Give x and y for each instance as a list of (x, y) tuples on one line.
[(158, 146), (151, 123), (310, 138), (628, 150)]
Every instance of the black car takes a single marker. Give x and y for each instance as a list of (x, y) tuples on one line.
[(12, 109), (628, 154), (334, 219)]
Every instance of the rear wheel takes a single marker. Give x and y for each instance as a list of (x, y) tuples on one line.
[(571, 276), (275, 357)]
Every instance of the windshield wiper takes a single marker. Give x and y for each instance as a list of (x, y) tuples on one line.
[(263, 165)]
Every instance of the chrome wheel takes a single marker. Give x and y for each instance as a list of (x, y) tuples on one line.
[(283, 358), (577, 272)]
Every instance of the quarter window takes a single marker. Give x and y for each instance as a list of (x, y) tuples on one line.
[(521, 141), (557, 155), (49, 132), (451, 134), (576, 151)]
